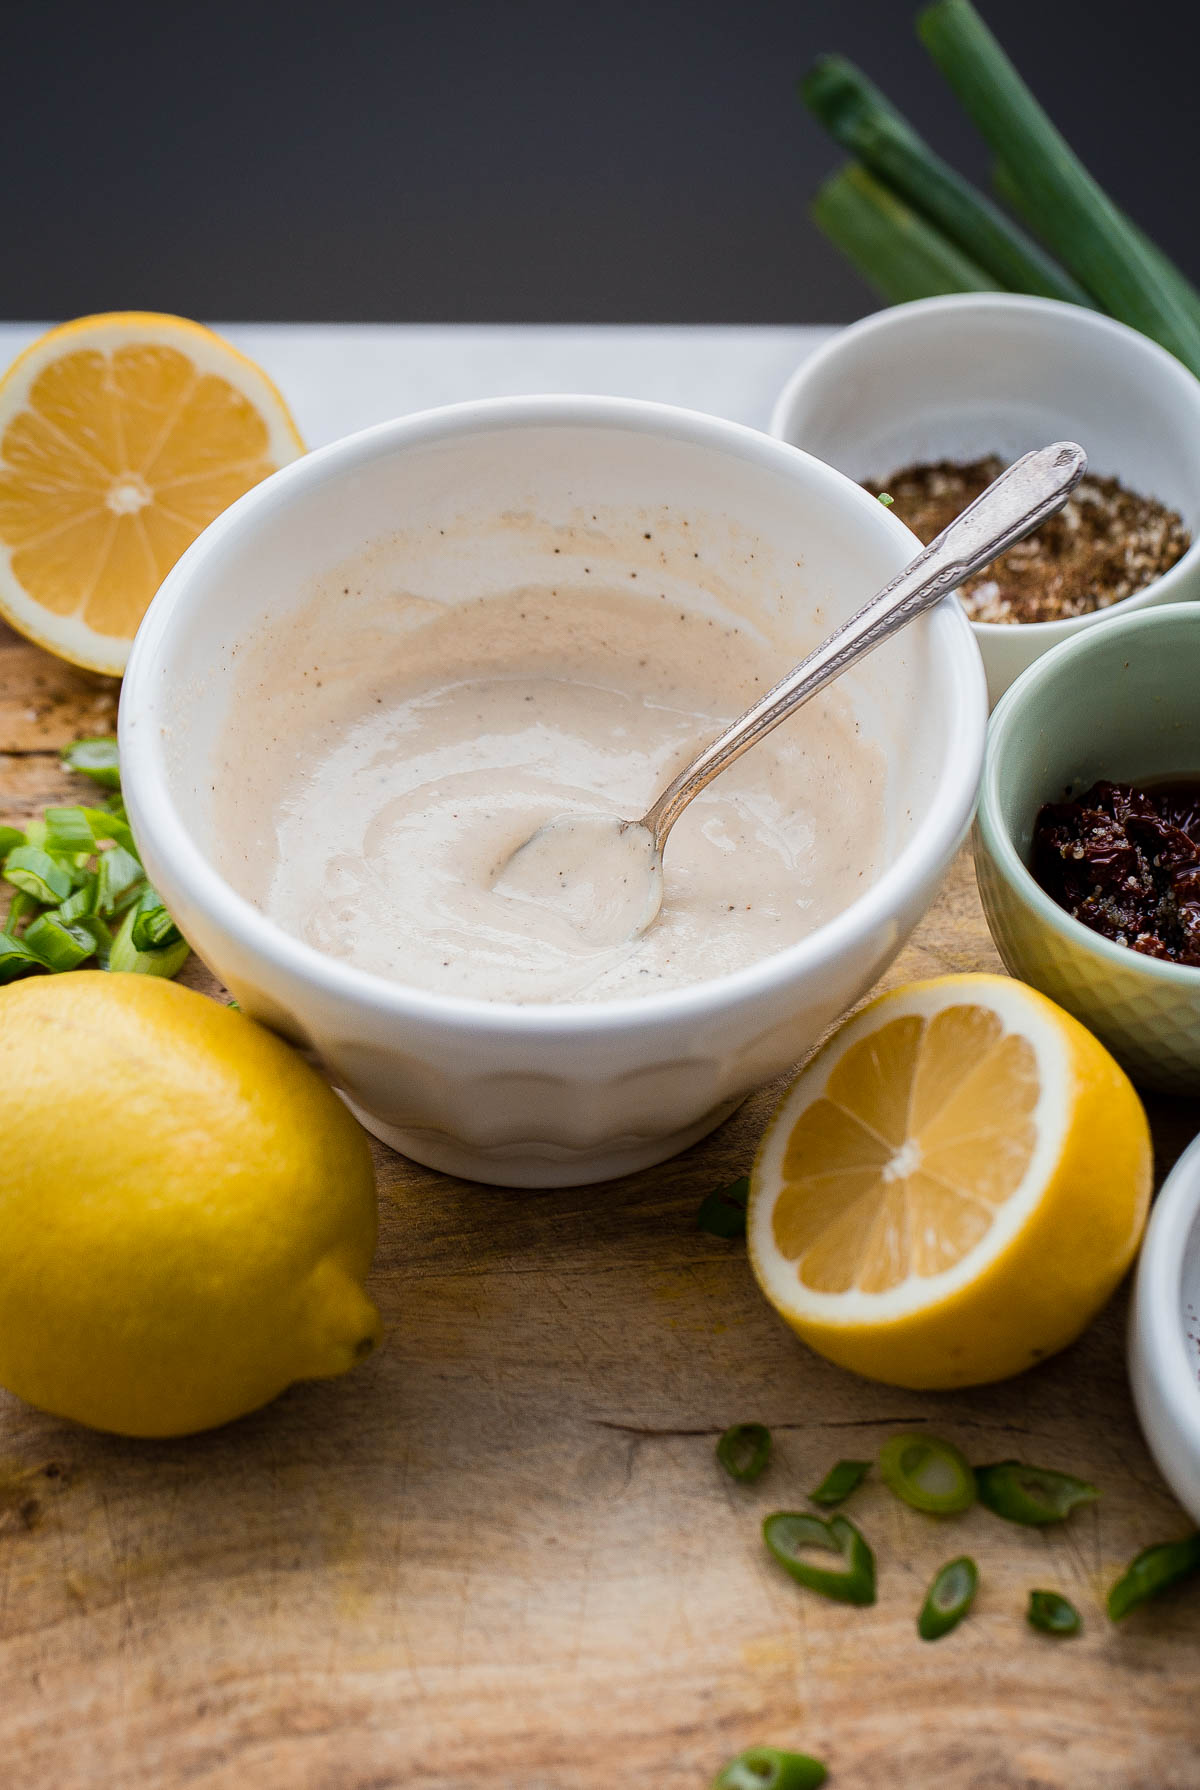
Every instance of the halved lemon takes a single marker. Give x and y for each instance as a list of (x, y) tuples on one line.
[(121, 437), (952, 1187)]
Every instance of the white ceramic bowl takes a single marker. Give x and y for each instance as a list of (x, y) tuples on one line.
[(1164, 1331), (459, 502), (977, 373)]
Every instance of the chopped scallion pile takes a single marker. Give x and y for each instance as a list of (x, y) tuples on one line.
[(79, 895)]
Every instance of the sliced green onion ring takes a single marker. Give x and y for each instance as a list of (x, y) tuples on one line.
[(927, 1473), (20, 905), (16, 959), (69, 832), (107, 824), (767, 1768), (95, 758), (1031, 1495), (788, 1532), (744, 1451), (101, 936), (949, 1598), (153, 927), (124, 956), (119, 874), (1052, 1613), (82, 904), (38, 874), (723, 1213), (1152, 1571), (839, 1482), (60, 947)]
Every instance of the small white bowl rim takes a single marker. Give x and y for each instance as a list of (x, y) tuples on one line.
[(979, 303), (934, 839), (1157, 1332), (1005, 724)]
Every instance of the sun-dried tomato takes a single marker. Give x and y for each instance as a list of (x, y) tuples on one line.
[(1126, 862)]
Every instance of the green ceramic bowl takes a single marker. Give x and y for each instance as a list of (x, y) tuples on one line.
[(1121, 701)]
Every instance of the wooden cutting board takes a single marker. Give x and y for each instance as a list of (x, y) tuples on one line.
[(500, 1556)]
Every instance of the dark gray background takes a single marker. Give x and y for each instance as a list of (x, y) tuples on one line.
[(540, 160)]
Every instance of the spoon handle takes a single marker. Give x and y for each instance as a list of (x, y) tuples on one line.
[(1024, 495)]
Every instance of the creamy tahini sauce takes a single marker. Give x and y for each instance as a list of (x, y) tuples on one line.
[(602, 875), (400, 774)]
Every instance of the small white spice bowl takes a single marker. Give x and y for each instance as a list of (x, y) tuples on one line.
[(998, 373), (1164, 1331)]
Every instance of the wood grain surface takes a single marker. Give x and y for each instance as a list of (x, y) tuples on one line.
[(500, 1556)]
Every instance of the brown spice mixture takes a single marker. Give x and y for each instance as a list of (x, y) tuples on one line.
[(1104, 544)]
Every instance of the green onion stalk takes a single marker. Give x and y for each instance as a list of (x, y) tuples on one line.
[(1070, 212), (895, 249), (1009, 193), (859, 117), (915, 228)]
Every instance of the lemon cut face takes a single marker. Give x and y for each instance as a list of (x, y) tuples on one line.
[(918, 1199), (122, 437), (917, 1154)]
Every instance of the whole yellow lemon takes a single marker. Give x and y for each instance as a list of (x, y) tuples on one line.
[(187, 1212)]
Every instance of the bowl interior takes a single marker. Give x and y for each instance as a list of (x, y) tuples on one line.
[(957, 379), (1118, 702), (413, 517)]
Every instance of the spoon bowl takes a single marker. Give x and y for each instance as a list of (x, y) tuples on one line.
[(601, 874)]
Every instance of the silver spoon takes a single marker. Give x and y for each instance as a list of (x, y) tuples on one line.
[(604, 875)]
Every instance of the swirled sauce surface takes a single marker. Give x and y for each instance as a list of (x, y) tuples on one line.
[(416, 764)]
